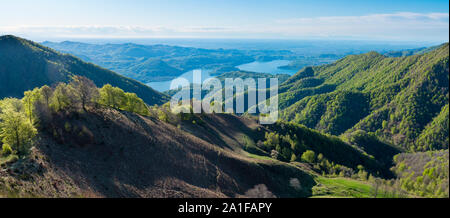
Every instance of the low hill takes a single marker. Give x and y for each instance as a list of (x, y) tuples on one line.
[(25, 65), (153, 68)]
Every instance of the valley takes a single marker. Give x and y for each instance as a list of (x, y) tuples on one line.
[(351, 127)]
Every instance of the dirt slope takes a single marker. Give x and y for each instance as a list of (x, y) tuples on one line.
[(109, 153)]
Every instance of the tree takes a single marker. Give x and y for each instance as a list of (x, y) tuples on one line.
[(259, 191), (29, 100), (309, 156), (320, 157), (112, 97), (62, 97), (135, 104), (46, 93), (15, 128), (116, 98), (376, 183), (85, 90), (272, 140), (42, 110), (293, 158), (11, 104)]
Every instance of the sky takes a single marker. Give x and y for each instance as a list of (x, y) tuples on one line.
[(399, 20)]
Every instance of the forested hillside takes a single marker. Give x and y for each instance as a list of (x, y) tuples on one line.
[(354, 128), (25, 65), (401, 100), (75, 136)]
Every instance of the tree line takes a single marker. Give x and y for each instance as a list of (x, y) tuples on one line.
[(20, 118)]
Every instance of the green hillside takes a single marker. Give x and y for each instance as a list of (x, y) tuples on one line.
[(76, 135), (423, 173), (25, 65), (71, 144), (435, 135), (354, 128), (398, 99)]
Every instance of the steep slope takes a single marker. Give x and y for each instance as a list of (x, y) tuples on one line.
[(121, 154), (25, 65), (398, 97), (435, 135)]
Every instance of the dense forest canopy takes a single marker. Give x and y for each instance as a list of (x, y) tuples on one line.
[(402, 100)]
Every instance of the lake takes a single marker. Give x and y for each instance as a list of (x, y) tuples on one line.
[(259, 67), (267, 67)]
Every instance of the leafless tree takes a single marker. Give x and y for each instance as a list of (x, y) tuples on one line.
[(295, 183), (47, 93), (85, 90), (259, 191), (376, 187)]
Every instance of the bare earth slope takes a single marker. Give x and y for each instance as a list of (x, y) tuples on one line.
[(109, 153)]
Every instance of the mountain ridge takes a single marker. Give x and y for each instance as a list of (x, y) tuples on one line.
[(31, 65)]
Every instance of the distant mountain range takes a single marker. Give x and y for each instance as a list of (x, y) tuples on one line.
[(158, 62), (25, 65), (409, 52), (149, 63)]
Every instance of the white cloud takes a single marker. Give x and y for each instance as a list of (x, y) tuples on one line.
[(404, 25), (398, 26), (396, 18)]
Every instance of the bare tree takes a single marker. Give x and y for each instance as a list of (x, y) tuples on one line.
[(259, 191), (376, 187), (295, 183), (47, 93), (85, 90)]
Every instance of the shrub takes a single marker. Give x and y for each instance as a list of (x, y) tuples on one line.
[(293, 158), (309, 156), (6, 150)]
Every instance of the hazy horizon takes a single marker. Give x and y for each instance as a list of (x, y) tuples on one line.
[(399, 21)]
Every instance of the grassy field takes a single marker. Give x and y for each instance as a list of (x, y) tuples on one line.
[(341, 188), (260, 157), (335, 187)]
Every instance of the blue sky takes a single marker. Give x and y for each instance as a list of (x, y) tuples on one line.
[(400, 20)]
